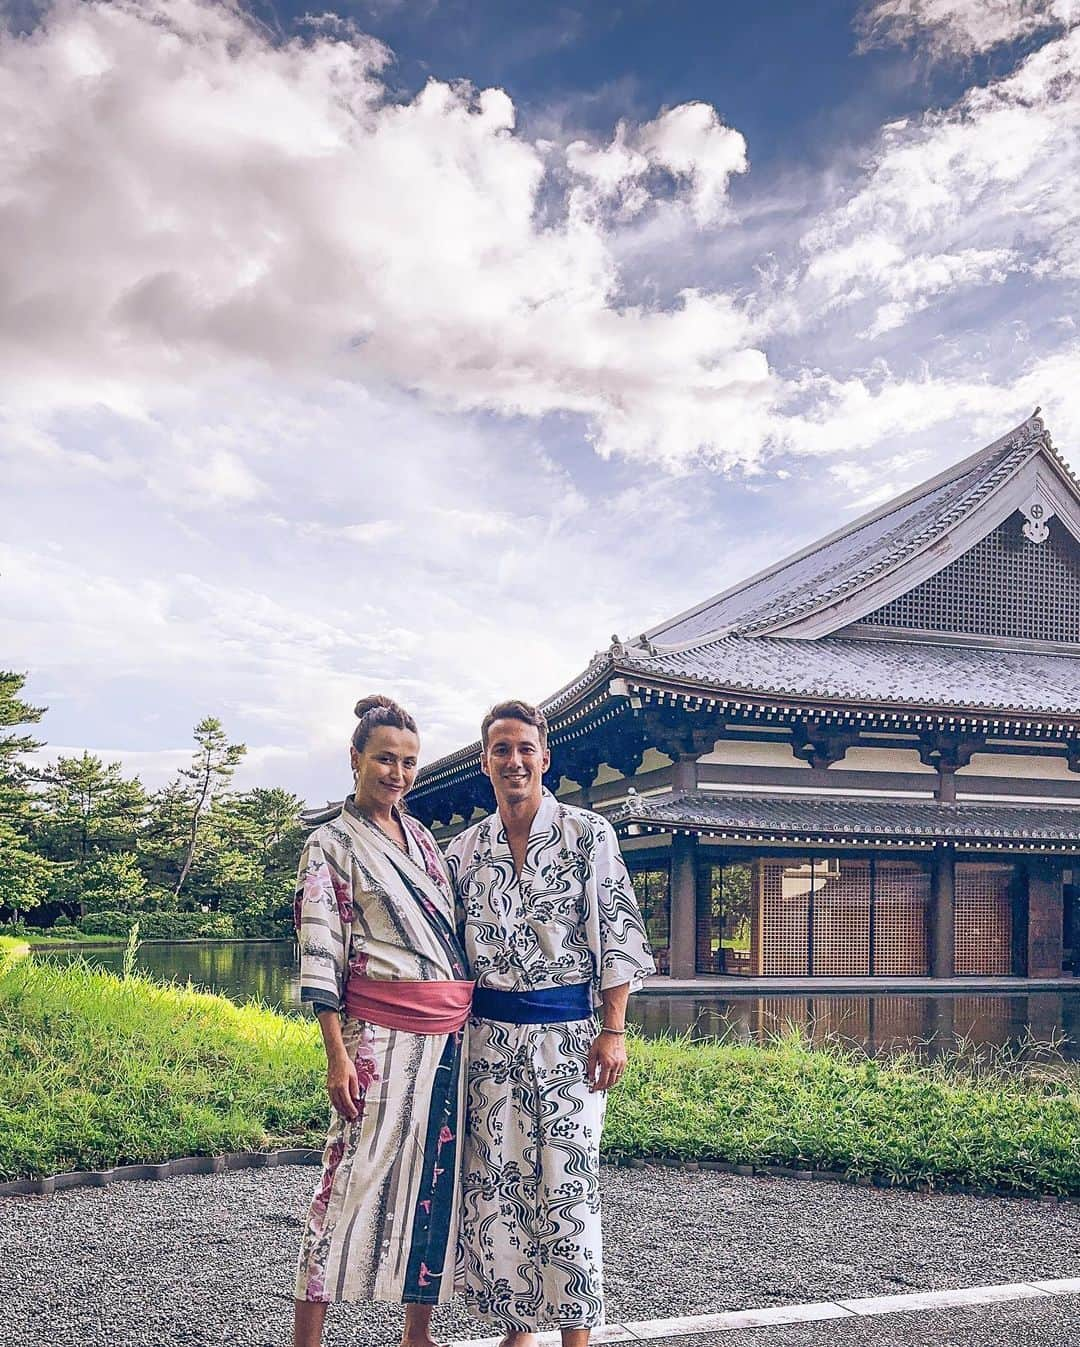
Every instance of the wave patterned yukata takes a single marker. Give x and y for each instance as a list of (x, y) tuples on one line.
[(383, 1223), (531, 1191)]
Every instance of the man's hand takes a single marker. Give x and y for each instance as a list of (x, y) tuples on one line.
[(607, 1061), (343, 1087)]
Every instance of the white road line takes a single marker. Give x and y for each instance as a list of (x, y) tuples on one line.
[(644, 1330)]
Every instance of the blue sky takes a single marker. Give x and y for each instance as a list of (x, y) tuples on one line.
[(422, 348)]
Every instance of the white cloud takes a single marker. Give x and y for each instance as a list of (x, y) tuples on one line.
[(948, 203), (183, 196), (959, 27)]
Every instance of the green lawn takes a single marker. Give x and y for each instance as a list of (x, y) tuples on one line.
[(96, 1070)]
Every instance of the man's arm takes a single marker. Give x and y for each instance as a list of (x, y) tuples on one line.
[(607, 1056)]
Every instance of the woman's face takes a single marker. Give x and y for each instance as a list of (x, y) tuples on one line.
[(385, 769)]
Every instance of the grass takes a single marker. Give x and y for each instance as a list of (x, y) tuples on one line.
[(981, 1120), (72, 936), (99, 1070)]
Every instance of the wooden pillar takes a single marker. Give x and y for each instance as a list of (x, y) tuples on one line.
[(683, 905), (946, 785), (1045, 908), (943, 914), (684, 773)]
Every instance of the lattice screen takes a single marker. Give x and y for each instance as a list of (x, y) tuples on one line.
[(1004, 586), (901, 905), (983, 920), (782, 930), (842, 917)]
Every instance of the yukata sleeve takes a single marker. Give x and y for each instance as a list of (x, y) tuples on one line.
[(453, 858), (322, 910), (622, 953)]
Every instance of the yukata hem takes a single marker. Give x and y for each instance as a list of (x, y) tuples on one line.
[(443, 1296), (544, 1325)]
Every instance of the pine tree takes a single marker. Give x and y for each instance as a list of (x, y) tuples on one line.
[(23, 874), (210, 773)]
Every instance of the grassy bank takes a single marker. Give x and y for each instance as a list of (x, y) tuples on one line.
[(988, 1125), (96, 1070), (72, 937)]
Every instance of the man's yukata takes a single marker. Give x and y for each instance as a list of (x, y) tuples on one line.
[(383, 1223), (531, 1195)]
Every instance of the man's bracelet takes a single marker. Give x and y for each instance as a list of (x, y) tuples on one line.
[(605, 1030)]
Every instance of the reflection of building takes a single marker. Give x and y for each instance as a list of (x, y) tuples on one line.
[(864, 760)]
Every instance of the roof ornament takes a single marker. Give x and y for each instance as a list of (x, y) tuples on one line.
[(1037, 515), (617, 649)]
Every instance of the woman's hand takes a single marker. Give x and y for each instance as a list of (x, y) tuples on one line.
[(343, 1087)]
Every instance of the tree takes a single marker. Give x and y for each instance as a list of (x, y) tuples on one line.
[(87, 812), (112, 882), (210, 773), (88, 807), (23, 874)]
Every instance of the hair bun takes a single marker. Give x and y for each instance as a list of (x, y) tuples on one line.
[(366, 704)]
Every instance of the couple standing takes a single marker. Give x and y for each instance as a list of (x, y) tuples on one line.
[(512, 942)]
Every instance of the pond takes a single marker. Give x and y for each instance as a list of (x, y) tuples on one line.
[(876, 1022)]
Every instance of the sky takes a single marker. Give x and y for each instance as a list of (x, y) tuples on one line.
[(421, 346)]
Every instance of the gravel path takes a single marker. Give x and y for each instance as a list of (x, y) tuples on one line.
[(208, 1259)]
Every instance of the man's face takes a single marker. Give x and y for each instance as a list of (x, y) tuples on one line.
[(515, 762)]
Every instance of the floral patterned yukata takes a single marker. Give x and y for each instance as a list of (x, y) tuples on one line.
[(383, 1223), (531, 1194)]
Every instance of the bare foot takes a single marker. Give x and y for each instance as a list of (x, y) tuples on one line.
[(425, 1341), (519, 1339)]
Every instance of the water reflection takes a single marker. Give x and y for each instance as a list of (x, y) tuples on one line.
[(876, 1022), (929, 1022), (242, 970)]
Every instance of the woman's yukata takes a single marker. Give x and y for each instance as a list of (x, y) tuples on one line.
[(383, 1223)]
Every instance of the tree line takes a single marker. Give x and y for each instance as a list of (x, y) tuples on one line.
[(81, 843)]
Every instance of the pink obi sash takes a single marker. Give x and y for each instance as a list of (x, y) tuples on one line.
[(417, 1007)]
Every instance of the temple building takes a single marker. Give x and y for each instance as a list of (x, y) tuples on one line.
[(863, 761)]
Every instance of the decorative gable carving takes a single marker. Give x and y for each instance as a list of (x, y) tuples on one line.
[(1008, 585)]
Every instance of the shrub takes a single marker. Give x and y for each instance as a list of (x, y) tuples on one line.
[(106, 923), (161, 925)]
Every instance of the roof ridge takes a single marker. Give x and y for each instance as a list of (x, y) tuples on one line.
[(934, 519), (954, 473)]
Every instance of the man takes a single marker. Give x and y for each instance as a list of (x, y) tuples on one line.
[(552, 931)]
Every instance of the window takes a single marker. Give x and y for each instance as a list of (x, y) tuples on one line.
[(653, 893)]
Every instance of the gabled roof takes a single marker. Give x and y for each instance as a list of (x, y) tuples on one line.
[(821, 589)]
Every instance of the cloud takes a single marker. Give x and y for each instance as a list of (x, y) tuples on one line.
[(946, 204), (185, 195), (959, 27)]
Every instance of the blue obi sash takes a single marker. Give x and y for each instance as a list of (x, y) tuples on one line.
[(544, 1005)]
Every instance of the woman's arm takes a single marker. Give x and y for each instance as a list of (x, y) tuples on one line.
[(341, 1083)]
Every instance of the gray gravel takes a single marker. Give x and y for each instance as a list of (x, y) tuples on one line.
[(208, 1259)]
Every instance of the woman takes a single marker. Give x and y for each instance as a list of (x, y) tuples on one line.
[(382, 967)]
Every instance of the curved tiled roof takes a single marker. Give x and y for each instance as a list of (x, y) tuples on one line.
[(809, 816), (902, 673)]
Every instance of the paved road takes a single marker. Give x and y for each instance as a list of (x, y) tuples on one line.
[(208, 1260)]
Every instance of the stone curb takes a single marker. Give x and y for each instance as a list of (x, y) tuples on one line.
[(217, 1164), (166, 1169)]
